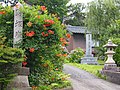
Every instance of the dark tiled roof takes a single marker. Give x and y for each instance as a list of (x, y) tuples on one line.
[(77, 29)]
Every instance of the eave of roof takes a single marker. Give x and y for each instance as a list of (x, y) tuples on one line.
[(77, 29)]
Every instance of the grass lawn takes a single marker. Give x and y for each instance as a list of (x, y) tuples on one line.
[(89, 68), (101, 62)]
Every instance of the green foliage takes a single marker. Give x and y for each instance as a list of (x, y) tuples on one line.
[(6, 24), (98, 74), (44, 88), (116, 57), (103, 21), (75, 55), (42, 34), (57, 7), (76, 15), (61, 85), (101, 62), (9, 60), (101, 14)]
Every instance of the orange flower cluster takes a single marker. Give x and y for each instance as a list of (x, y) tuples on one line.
[(65, 55), (68, 35), (48, 23), (50, 32), (2, 12), (45, 35), (30, 34), (29, 24), (43, 8), (56, 69), (34, 87), (59, 55), (24, 63), (53, 79), (38, 16), (64, 42), (32, 50)]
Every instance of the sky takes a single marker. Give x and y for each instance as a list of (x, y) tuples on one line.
[(80, 1)]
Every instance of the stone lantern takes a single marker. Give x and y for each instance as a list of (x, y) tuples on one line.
[(110, 63)]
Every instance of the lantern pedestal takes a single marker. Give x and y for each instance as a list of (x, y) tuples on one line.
[(112, 67)]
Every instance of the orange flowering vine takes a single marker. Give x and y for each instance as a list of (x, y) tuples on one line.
[(62, 39), (59, 55), (38, 16), (64, 55), (2, 12), (32, 50), (50, 32), (29, 24), (45, 35), (24, 63), (68, 35), (64, 42), (30, 34), (43, 8), (34, 87), (56, 69), (52, 79), (48, 23)]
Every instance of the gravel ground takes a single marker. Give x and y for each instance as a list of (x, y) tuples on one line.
[(82, 80)]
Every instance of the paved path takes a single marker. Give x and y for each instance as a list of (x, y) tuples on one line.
[(82, 80)]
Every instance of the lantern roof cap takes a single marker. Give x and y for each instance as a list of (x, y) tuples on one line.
[(110, 44)]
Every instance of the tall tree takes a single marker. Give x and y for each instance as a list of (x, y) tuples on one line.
[(103, 21), (57, 7), (101, 15), (76, 14)]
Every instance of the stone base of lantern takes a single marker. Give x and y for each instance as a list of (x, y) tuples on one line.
[(20, 82), (111, 67), (89, 60)]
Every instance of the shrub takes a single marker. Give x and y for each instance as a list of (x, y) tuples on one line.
[(116, 57), (10, 58), (75, 55), (43, 36)]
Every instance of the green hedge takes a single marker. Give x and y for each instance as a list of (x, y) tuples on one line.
[(116, 57), (10, 58)]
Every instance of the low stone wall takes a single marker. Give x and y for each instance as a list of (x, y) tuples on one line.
[(20, 82), (112, 76)]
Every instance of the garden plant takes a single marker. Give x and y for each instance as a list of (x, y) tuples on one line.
[(75, 55), (10, 58), (43, 38)]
